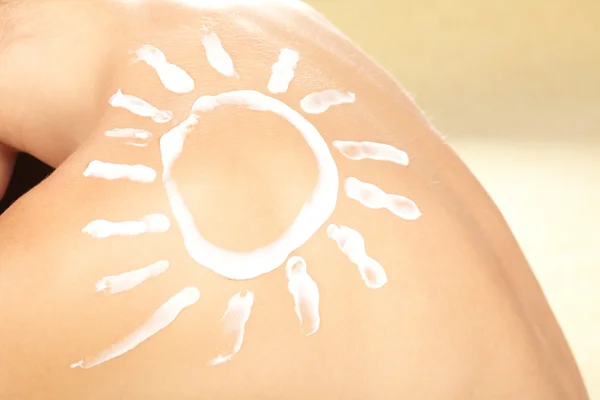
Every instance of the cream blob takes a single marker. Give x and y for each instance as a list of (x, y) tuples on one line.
[(233, 326), (152, 223), (129, 133), (139, 107), (282, 72), (371, 151), (160, 319), (352, 244), (305, 293), (216, 55), (174, 78), (139, 137), (110, 171), (126, 281), (373, 197), (319, 102), (314, 213), (135, 144)]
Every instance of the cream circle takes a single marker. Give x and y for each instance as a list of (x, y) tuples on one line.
[(314, 213)]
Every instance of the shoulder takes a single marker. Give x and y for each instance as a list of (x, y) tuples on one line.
[(330, 198)]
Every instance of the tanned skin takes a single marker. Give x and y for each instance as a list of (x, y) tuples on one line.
[(462, 316)]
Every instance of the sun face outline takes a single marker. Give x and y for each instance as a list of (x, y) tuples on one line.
[(314, 213), (242, 265)]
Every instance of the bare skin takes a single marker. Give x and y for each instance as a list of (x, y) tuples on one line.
[(462, 316)]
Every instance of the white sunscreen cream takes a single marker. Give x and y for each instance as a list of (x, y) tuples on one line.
[(110, 171), (233, 325), (152, 223), (372, 197), (314, 213), (372, 151), (160, 319), (120, 283), (134, 144), (305, 293), (319, 102), (352, 244), (140, 137), (216, 55), (129, 133), (174, 78), (171, 145), (282, 72), (139, 107)]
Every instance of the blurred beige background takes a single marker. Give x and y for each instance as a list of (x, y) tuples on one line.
[(515, 87)]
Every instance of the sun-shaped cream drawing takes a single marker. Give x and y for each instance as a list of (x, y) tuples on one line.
[(315, 212)]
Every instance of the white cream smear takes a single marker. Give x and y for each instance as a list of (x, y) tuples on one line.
[(352, 244), (135, 144), (216, 55), (171, 146), (305, 292), (282, 72), (173, 77), (152, 223), (233, 324), (140, 107), (110, 171), (372, 197), (319, 102), (139, 136), (120, 283), (371, 150), (129, 133), (314, 213), (160, 319)]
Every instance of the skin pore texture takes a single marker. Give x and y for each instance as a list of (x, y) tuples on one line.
[(247, 206)]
